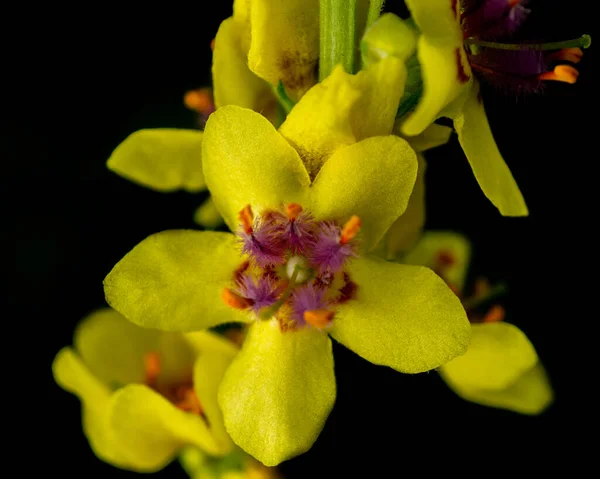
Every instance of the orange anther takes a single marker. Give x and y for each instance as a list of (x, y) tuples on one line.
[(246, 218), (212, 44), (495, 314), (234, 300), (563, 73), (151, 369), (199, 100), (350, 229), (292, 210), (513, 3), (319, 318), (573, 55)]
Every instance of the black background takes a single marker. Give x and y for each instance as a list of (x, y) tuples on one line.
[(85, 79)]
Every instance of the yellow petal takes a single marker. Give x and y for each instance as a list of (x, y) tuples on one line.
[(209, 371), (72, 375), (164, 159), (233, 82), (285, 43), (437, 19), (381, 86), (278, 392), (432, 243), (246, 161), (173, 281), (389, 36), (114, 349), (499, 354), (372, 179), (151, 430), (344, 109), (406, 230), (490, 170), (446, 76), (530, 394), (433, 136), (207, 215), (404, 317)]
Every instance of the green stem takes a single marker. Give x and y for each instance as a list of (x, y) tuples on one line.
[(337, 36), (583, 41), (375, 7)]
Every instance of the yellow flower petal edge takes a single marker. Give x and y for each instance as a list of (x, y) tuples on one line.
[(406, 230), (153, 430), (498, 355), (278, 392), (114, 348), (209, 370), (246, 161), (433, 136), (404, 317), (230, 71), (164, 159), (319, 123), (490, 170), (71, 374), (173, 280), (446, 75), (432, 243), (389, 35), (530, 394), (438, 19), (351, 182), (207, 215), (284, 43), (444, 67), (344, 109)]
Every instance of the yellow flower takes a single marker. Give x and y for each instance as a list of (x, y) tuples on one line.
[(145, 394), (501, 367), (448, 89), (305, 201), (263, 44)]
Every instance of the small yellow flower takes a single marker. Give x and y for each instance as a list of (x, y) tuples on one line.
[(145, 394), (501, 367), (305, 200)]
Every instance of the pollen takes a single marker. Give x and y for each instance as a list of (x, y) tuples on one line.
[(350, 229), (292, 210), (246, 218), (234, 300), (562, 73), (319, 318)]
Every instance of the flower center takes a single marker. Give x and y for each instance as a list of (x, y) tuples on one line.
[(296, 271), (487, 24), (181, 395)]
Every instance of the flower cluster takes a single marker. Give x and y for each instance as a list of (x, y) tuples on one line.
[(310, 145)]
